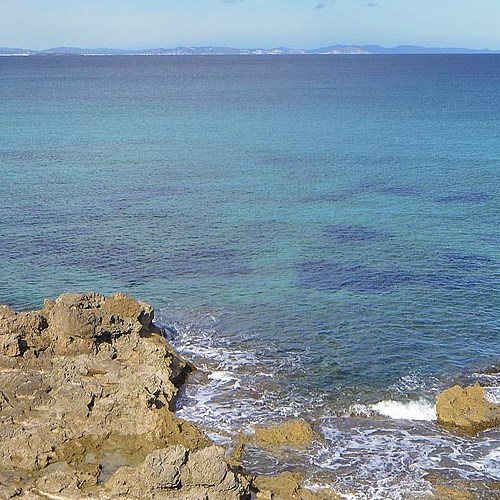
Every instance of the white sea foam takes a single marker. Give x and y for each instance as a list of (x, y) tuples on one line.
[(493, 394), (397, 410), (487, 376), (491, 384), (407, 410), (375, 462), (416, 383), (223, 376), (489, 463)]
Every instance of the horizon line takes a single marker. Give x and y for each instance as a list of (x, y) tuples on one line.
[(291, 50)]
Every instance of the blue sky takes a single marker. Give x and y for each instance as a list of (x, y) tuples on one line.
[(41, 24)]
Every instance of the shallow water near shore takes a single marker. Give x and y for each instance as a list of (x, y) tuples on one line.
[(319, 233)]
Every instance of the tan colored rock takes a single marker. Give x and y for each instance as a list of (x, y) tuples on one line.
[(294, 433), (58, 482), (8, 492), (467, 408), (176, 473), (69, 331), (88, 383), (10, 486), (235, 458), (120, 305), (164, 467), (447, 493), (6, 312), (18, 331), (206, 467), (10, 345), (288, 486)]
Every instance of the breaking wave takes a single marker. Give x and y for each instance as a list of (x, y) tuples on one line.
[(398, 410)]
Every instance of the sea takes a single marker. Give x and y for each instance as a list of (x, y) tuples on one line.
[(320, 235)]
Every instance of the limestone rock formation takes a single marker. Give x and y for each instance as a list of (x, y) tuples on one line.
[(87, 392), (177, 473), (467, 408)]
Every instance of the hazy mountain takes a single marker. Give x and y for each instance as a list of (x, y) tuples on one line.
[(8, 51), (213, 50), (79, 51), (400, 49)]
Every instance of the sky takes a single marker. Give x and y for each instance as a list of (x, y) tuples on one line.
[(136, 24)]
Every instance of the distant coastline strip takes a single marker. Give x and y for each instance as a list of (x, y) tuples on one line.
[(214, 50)]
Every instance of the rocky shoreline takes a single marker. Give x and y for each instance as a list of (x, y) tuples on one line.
[(88, 388)]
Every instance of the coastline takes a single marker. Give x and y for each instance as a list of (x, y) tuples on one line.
[(89, 391)]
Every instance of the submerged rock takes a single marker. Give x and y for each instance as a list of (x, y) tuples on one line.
[(467, 408), (447, 488), (288, 486), (87, 391)]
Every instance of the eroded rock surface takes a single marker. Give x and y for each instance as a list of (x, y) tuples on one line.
[(88, 384), (177, 473), (467, 408)]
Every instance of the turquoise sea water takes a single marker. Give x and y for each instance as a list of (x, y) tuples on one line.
[(321, 234)]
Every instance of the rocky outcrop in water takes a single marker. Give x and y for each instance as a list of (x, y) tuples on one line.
[(87, 392), (467, 408), (294, 433)]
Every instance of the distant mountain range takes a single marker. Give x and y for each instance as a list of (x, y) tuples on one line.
[(211, 50)]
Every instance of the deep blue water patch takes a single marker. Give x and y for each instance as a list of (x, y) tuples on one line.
[(359, 278), (402, 191), (467, 198), (446, 280), (336, 276), (468, 262), (371, 188), (352, 233)]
